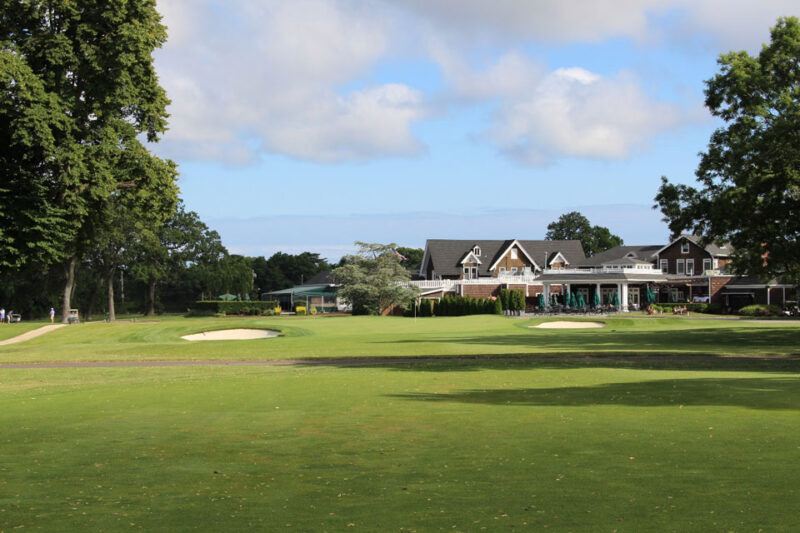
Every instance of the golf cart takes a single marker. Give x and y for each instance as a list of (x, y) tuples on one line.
[(73, 317)]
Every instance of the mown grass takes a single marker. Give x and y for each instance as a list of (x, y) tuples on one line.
[(455, 446), (305, 337), (497, 444)]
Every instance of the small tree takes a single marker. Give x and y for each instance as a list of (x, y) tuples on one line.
[(372, 279)]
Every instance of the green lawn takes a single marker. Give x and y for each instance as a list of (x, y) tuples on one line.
[(571, 444), (379, 337)]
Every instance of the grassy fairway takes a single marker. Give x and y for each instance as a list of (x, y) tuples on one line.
[(675, 444), (377, 336), (450, 446)]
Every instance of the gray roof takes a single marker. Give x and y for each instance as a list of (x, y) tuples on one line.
[(723, 250), (447, 254), (618, 253), (553, 276)]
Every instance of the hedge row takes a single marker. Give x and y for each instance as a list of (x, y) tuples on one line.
[(455, 306), (691, 307), (761, 310), (512, 300), (254, 307)]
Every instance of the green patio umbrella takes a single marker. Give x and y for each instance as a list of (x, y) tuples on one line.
[(616, 299), (573, 299), (596, 301), (568, 299), (554, 299), (542, 302), (581, 302)]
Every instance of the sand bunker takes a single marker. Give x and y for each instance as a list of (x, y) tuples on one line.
[(231, 335), (563, 324)]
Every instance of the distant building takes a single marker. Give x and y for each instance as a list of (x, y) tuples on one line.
[(680, 271)]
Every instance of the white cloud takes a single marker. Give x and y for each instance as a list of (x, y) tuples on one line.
[(269, 76), (250, 77), (577, 113), (731, 24)]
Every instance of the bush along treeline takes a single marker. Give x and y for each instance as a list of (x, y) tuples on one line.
[(224, 307), (455, 306), (691, 307)]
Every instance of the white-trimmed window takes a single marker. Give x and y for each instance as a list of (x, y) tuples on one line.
[(513, 270), (685, 247), (664, 265), (690, 267), (502, 270), (470, 272), (514, 253), (680, 266), (477, 251), (706, 265)]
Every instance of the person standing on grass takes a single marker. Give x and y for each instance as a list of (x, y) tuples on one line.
[(2, 315), (8, 315), (52, 315)]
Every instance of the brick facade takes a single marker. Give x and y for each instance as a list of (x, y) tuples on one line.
[(716, 285), (481, 291)]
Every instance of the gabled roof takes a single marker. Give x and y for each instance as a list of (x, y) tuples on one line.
[(504, 251), (446, 254), (470, 257), (615, 255), (715, 250), (554, 256)]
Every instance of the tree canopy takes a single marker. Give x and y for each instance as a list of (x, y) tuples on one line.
[(749, 176), (371, 280), (575, 226), (79, 90)]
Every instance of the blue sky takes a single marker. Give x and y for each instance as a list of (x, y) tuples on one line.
[(309, 124)]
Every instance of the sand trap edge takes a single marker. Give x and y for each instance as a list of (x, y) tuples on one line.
[(566, 324), (237, 334)]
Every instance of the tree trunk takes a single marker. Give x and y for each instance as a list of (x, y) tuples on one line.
[(111, 314), (151, 298), (69, 286), (93, 298)]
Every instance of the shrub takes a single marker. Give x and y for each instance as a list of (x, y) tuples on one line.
[(300, 310), (760, 310), (505, 297), (498, 307), (252, 307), (313, 310), (517, 300)]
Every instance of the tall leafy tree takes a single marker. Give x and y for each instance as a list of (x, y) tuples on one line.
[(575, 226), (749, 177), (87, 67), (371, 280), (183, 241)]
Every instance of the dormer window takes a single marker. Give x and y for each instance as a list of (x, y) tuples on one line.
[(514, 253), (631, 255), (477, 251), (685, 247)]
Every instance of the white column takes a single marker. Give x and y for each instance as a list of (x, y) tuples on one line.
[(599, 296), (767, 294), (546, 288), (624, 297)]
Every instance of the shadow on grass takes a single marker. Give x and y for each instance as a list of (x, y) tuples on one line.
[(476, 363), (753, 393), (750, 341)]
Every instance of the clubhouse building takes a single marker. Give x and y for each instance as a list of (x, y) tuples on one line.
[(681, 271)]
